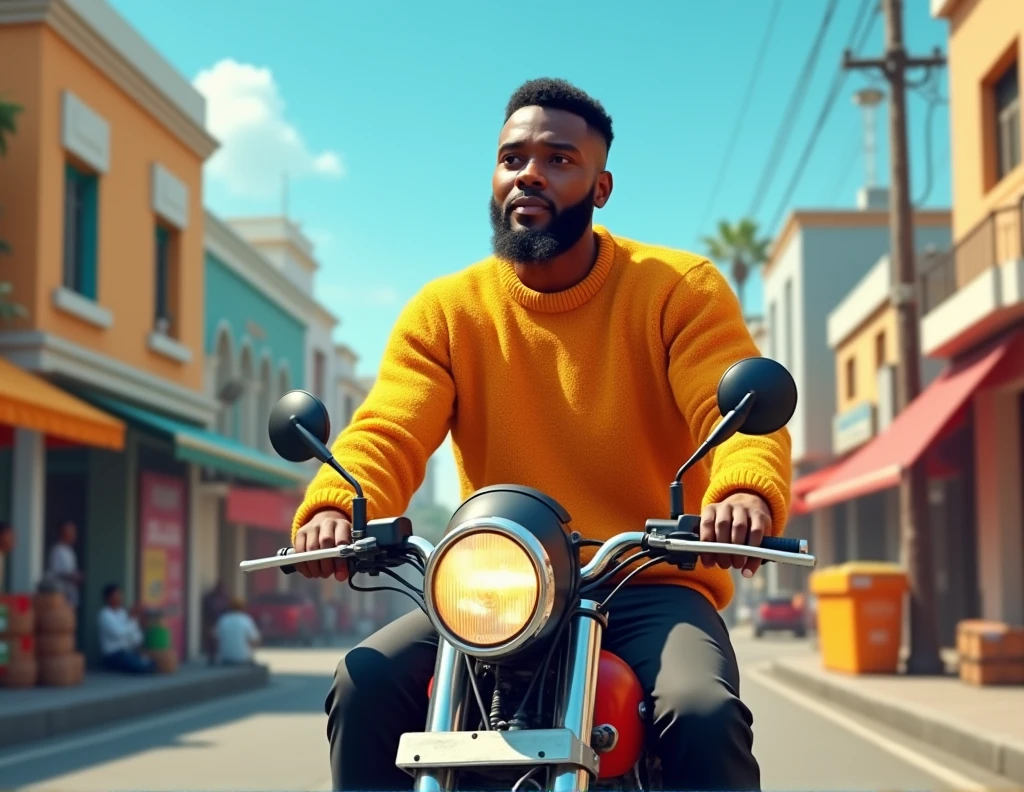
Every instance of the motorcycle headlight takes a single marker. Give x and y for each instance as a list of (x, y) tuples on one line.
[(489, 587)]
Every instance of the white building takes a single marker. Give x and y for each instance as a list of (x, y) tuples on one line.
[(815, 262)]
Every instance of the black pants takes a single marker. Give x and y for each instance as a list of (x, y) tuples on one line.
[(671, 636)]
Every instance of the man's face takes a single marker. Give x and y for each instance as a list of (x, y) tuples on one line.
[(548, 179), (115, 599), (69, 532), (6, 540)]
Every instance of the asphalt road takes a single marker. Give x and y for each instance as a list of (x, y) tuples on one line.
[(273, 739)]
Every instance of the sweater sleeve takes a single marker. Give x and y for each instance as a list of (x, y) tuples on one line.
[(404, 419), (705, 334)]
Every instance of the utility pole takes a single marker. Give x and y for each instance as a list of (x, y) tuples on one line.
[(914, 534)]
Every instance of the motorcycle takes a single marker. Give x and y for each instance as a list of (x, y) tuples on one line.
[(523, 696)]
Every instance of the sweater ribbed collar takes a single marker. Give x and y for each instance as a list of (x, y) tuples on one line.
[(568, 299)]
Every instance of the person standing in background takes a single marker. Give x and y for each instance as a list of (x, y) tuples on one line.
[(6, 548), (215, 603), (63, 564)]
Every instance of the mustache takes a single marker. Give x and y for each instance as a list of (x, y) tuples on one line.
[(528, 194)]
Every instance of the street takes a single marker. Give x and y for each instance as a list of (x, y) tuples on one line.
[(274, 739)]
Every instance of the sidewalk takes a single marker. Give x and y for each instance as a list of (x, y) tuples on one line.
[(983, 725), (103, 698)]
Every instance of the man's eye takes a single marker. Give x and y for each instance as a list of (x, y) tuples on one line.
[(560, 159), (510, 159)]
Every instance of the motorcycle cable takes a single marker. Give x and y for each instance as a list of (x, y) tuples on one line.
[(410, 591), (600, 618), (606, 576), (647, 565), (520, 712), (529, 778), (474, 683)]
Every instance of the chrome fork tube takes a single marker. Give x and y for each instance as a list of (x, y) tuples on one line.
[(445, 711), (577, 693)]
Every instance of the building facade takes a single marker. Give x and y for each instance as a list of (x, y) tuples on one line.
[(818, 258), (102, 196), (973, 302), (966, 426), (255, 348)]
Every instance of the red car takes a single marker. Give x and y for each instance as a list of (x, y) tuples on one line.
[(781, 614), (285, 617)]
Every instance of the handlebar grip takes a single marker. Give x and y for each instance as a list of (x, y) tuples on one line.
[(288, 570), (783, 544)]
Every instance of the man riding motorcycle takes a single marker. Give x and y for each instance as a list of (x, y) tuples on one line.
[(562, 362)]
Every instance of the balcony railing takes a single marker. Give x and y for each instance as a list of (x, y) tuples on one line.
[(995, 240)]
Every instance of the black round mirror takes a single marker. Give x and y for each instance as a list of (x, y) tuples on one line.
[(310, 412), (774, 389)]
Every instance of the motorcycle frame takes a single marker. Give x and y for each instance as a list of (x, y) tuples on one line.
[(450, 704)]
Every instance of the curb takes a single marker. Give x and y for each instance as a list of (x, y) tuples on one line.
[(22, 727), (1002, 757)]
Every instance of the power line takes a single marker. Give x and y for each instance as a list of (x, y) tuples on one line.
[(837, 85), (738, 126), (796, 101)]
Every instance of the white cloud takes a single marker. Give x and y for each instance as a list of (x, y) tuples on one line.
[(245, 112)]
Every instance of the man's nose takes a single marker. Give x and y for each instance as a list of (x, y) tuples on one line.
[(531, 176)]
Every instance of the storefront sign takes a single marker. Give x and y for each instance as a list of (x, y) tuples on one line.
[(163, 506), (261, 508), (853, 427)]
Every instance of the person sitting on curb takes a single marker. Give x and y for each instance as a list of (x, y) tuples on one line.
[(236, 636), (121, 636)]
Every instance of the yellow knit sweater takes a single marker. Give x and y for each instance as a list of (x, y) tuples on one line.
[(594, 395)]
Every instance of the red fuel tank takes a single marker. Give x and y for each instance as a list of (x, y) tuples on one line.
[(619, 696)]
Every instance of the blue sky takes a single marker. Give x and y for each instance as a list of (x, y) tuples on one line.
[(386, 114)]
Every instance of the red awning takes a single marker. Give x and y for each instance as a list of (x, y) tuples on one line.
[(806, 484), (261, 508), (880, 464)]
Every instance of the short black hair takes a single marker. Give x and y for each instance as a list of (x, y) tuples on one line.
[(557, 94), (109, 589)]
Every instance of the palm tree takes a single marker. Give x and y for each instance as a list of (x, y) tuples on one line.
[(739, 245), (8, 126), (8, 122)]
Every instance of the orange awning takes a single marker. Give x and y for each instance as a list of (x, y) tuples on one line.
[(30, 402), (880, 464)]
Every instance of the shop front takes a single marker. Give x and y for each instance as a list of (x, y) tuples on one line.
[(46, 439), (180, 479), (970, 450)]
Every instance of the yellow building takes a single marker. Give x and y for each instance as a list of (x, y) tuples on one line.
[(101, 190)]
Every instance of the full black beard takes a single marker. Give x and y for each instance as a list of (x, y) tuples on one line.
[(526, 246)]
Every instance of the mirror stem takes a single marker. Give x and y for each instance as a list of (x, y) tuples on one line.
[(321, 452), (725, 429)]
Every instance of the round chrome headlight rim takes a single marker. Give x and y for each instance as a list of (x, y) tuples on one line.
[(545, 584)]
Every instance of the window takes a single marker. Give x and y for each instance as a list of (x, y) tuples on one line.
[(163, 280), (319, 373), (880, 355), (787, 310), (773, 323), (81, 218), (349, 408), (1007, 104), (851, 378)]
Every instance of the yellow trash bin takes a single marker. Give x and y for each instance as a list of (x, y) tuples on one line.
[(860, 616)]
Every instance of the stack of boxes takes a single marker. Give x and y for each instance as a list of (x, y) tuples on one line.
[(991, 653), (18, 665), (59, 664)]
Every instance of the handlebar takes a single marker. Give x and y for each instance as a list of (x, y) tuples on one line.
[(780, 549)]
